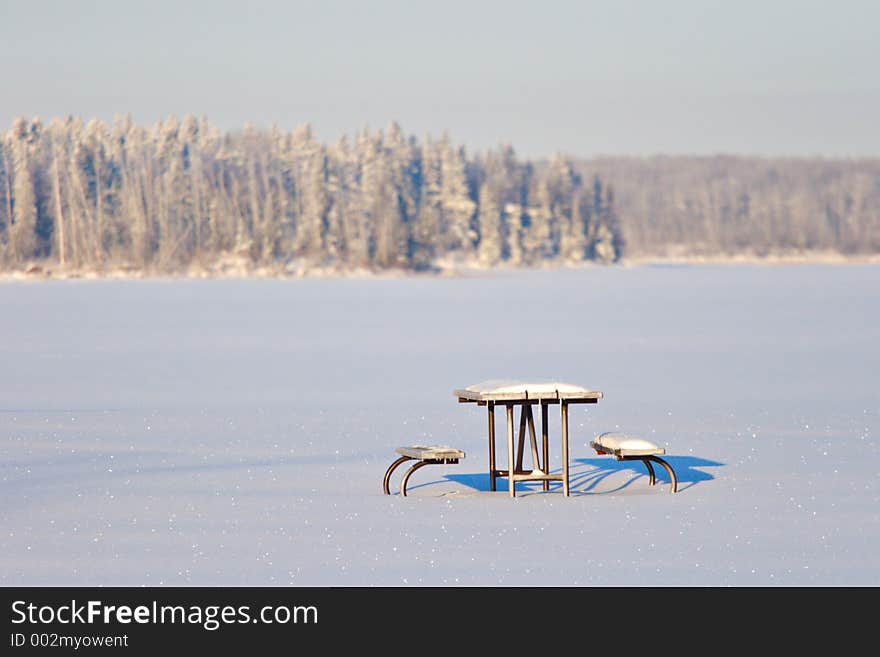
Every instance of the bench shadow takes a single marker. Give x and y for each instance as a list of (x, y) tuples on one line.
[(585, 474), (591, 471)]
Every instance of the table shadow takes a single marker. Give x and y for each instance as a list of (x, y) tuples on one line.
[(586, 473)]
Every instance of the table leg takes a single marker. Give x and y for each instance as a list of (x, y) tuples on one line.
[(491, 407), (521, 442), (564, 411), (545, 444), (510, 452), (536, 460)]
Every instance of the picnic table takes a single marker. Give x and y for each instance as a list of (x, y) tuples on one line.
[(526, 394)]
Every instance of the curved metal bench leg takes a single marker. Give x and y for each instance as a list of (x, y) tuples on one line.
[(391, 469), (669, 471), (652, 478), (416, 466)]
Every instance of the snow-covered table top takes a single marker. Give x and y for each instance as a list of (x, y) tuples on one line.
[(513, 390)]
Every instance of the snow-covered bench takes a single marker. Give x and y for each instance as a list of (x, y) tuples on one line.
[(631, 448), (424, 455)]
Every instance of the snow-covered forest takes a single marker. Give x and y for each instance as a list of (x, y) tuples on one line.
[(734, 205), (181, 196)]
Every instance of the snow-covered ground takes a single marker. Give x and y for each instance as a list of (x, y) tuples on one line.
[(235, 432)]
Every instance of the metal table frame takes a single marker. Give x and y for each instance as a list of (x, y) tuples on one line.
[(541, 470)]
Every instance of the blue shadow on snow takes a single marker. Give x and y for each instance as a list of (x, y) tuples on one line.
[(586, 473)]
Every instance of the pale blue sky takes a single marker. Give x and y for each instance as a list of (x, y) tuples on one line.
[(766, 77)]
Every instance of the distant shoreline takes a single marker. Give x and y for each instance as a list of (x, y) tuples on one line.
[(748, 259), (49, 272)]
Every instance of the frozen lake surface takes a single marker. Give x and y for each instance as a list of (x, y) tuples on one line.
[(236, 432)]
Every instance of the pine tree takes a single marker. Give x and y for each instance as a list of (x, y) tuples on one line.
[(57, 137), (135, 196), (612, 221), (513, 233), (6, 167), (310, 179), (377, 199), (426, 233), (310, 231), (537, 242), (489, 249), (457, 206), (405, 174), (335, 245), (605, 239), (95, 173), (572, 247), (564, 185), (22, 232), (193, 213)]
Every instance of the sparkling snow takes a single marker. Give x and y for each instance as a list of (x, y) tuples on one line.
[(236, 432)]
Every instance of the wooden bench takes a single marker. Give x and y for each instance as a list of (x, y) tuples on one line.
[(631, 448), (424, 455)]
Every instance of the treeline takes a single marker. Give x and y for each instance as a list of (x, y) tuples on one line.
[(728, 205), (182, 196)]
